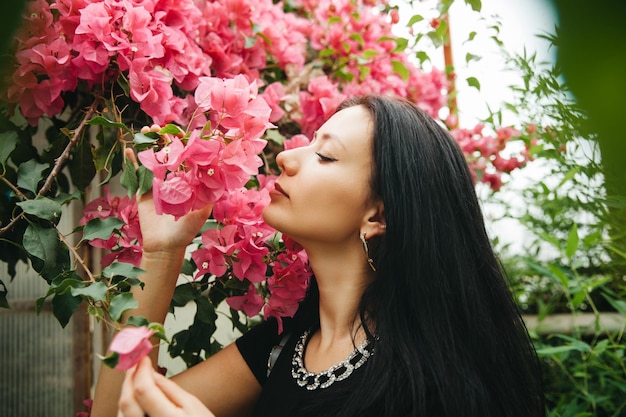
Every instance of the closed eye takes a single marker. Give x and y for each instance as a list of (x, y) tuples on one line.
[(324, 158)]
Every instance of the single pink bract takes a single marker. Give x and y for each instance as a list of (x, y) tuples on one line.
[(131, 344)]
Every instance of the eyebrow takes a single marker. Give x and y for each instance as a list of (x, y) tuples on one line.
[(329, 136)]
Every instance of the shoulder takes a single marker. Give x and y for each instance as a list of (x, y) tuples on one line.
[(256, 345)]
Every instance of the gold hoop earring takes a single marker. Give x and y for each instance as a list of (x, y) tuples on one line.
[(367, 252)]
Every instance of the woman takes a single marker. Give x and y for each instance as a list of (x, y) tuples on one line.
[(408, 297)]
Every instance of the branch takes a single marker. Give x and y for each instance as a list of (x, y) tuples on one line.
[(59, 163), (80, 260)]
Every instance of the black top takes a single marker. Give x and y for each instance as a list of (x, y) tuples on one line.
[(281, 395)]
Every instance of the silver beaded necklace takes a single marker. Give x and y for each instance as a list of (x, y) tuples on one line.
[(337, 372)]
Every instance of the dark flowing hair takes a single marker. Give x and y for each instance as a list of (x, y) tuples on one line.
[(451, 341)]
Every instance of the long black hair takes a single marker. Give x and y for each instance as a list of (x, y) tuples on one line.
[(450, 339)]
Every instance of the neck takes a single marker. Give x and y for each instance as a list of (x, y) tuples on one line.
[(342, 275)]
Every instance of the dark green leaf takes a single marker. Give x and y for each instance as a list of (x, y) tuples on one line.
[(41, 242), (145, 139), (144, 179), (129, 178), (101, 121), (8, 141), (63, 306), (29, 174), (96, 291), (81, 165), (111, 360), (183, 294), (121, 303), (205, 311), (43, 208), (3, 295), (101, 228)]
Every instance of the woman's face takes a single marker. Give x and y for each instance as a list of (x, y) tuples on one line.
[(323, 193)]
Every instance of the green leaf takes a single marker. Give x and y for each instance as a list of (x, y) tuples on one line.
[(144, 180), (101, 121), (63, 306), (401, 45), (415, 19), (81, 165), (205, 311), (122, 269), (101, 228), (473, 82), (159, 330), (618, 305), (475, 4), (8, 142), (572, 241), (29, 174), (111, 360), (400, 69), (43, 208), (121, 303), (555, 349), (96, 291), (471, 57), (3, 295), (183, 294), (170, 129), (41, 242), (137, 321), (369, 53), (129, 179), (357, 37), (275, 136), (145, 139)]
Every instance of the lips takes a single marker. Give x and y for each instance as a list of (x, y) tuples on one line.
[(278, 188)]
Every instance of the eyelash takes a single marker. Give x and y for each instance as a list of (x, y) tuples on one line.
[(325, 158)]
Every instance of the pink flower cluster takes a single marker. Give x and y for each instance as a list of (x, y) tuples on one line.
[(157, 46), (485, 153), (358, 40), (124, 245), (277, 278), (216, 158)]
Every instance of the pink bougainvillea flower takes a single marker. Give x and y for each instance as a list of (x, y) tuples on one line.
[(131, 344), (250, 303), (296, 141), (168, 158)]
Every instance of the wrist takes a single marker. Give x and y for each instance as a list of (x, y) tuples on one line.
[(173, 256)]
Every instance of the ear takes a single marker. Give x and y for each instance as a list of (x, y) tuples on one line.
[(373, 223)]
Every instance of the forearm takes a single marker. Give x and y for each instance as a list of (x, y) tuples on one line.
[(162, 270)]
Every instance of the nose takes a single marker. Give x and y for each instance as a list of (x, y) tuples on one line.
[(287, 162)]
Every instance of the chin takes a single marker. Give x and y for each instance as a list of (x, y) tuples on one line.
[(270, 219)]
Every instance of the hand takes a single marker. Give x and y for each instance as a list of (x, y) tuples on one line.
[(163, 232), (146, 392)]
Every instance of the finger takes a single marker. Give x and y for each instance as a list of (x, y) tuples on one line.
[(148, 395), (127, 405), (130, 154), (180, 397)]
